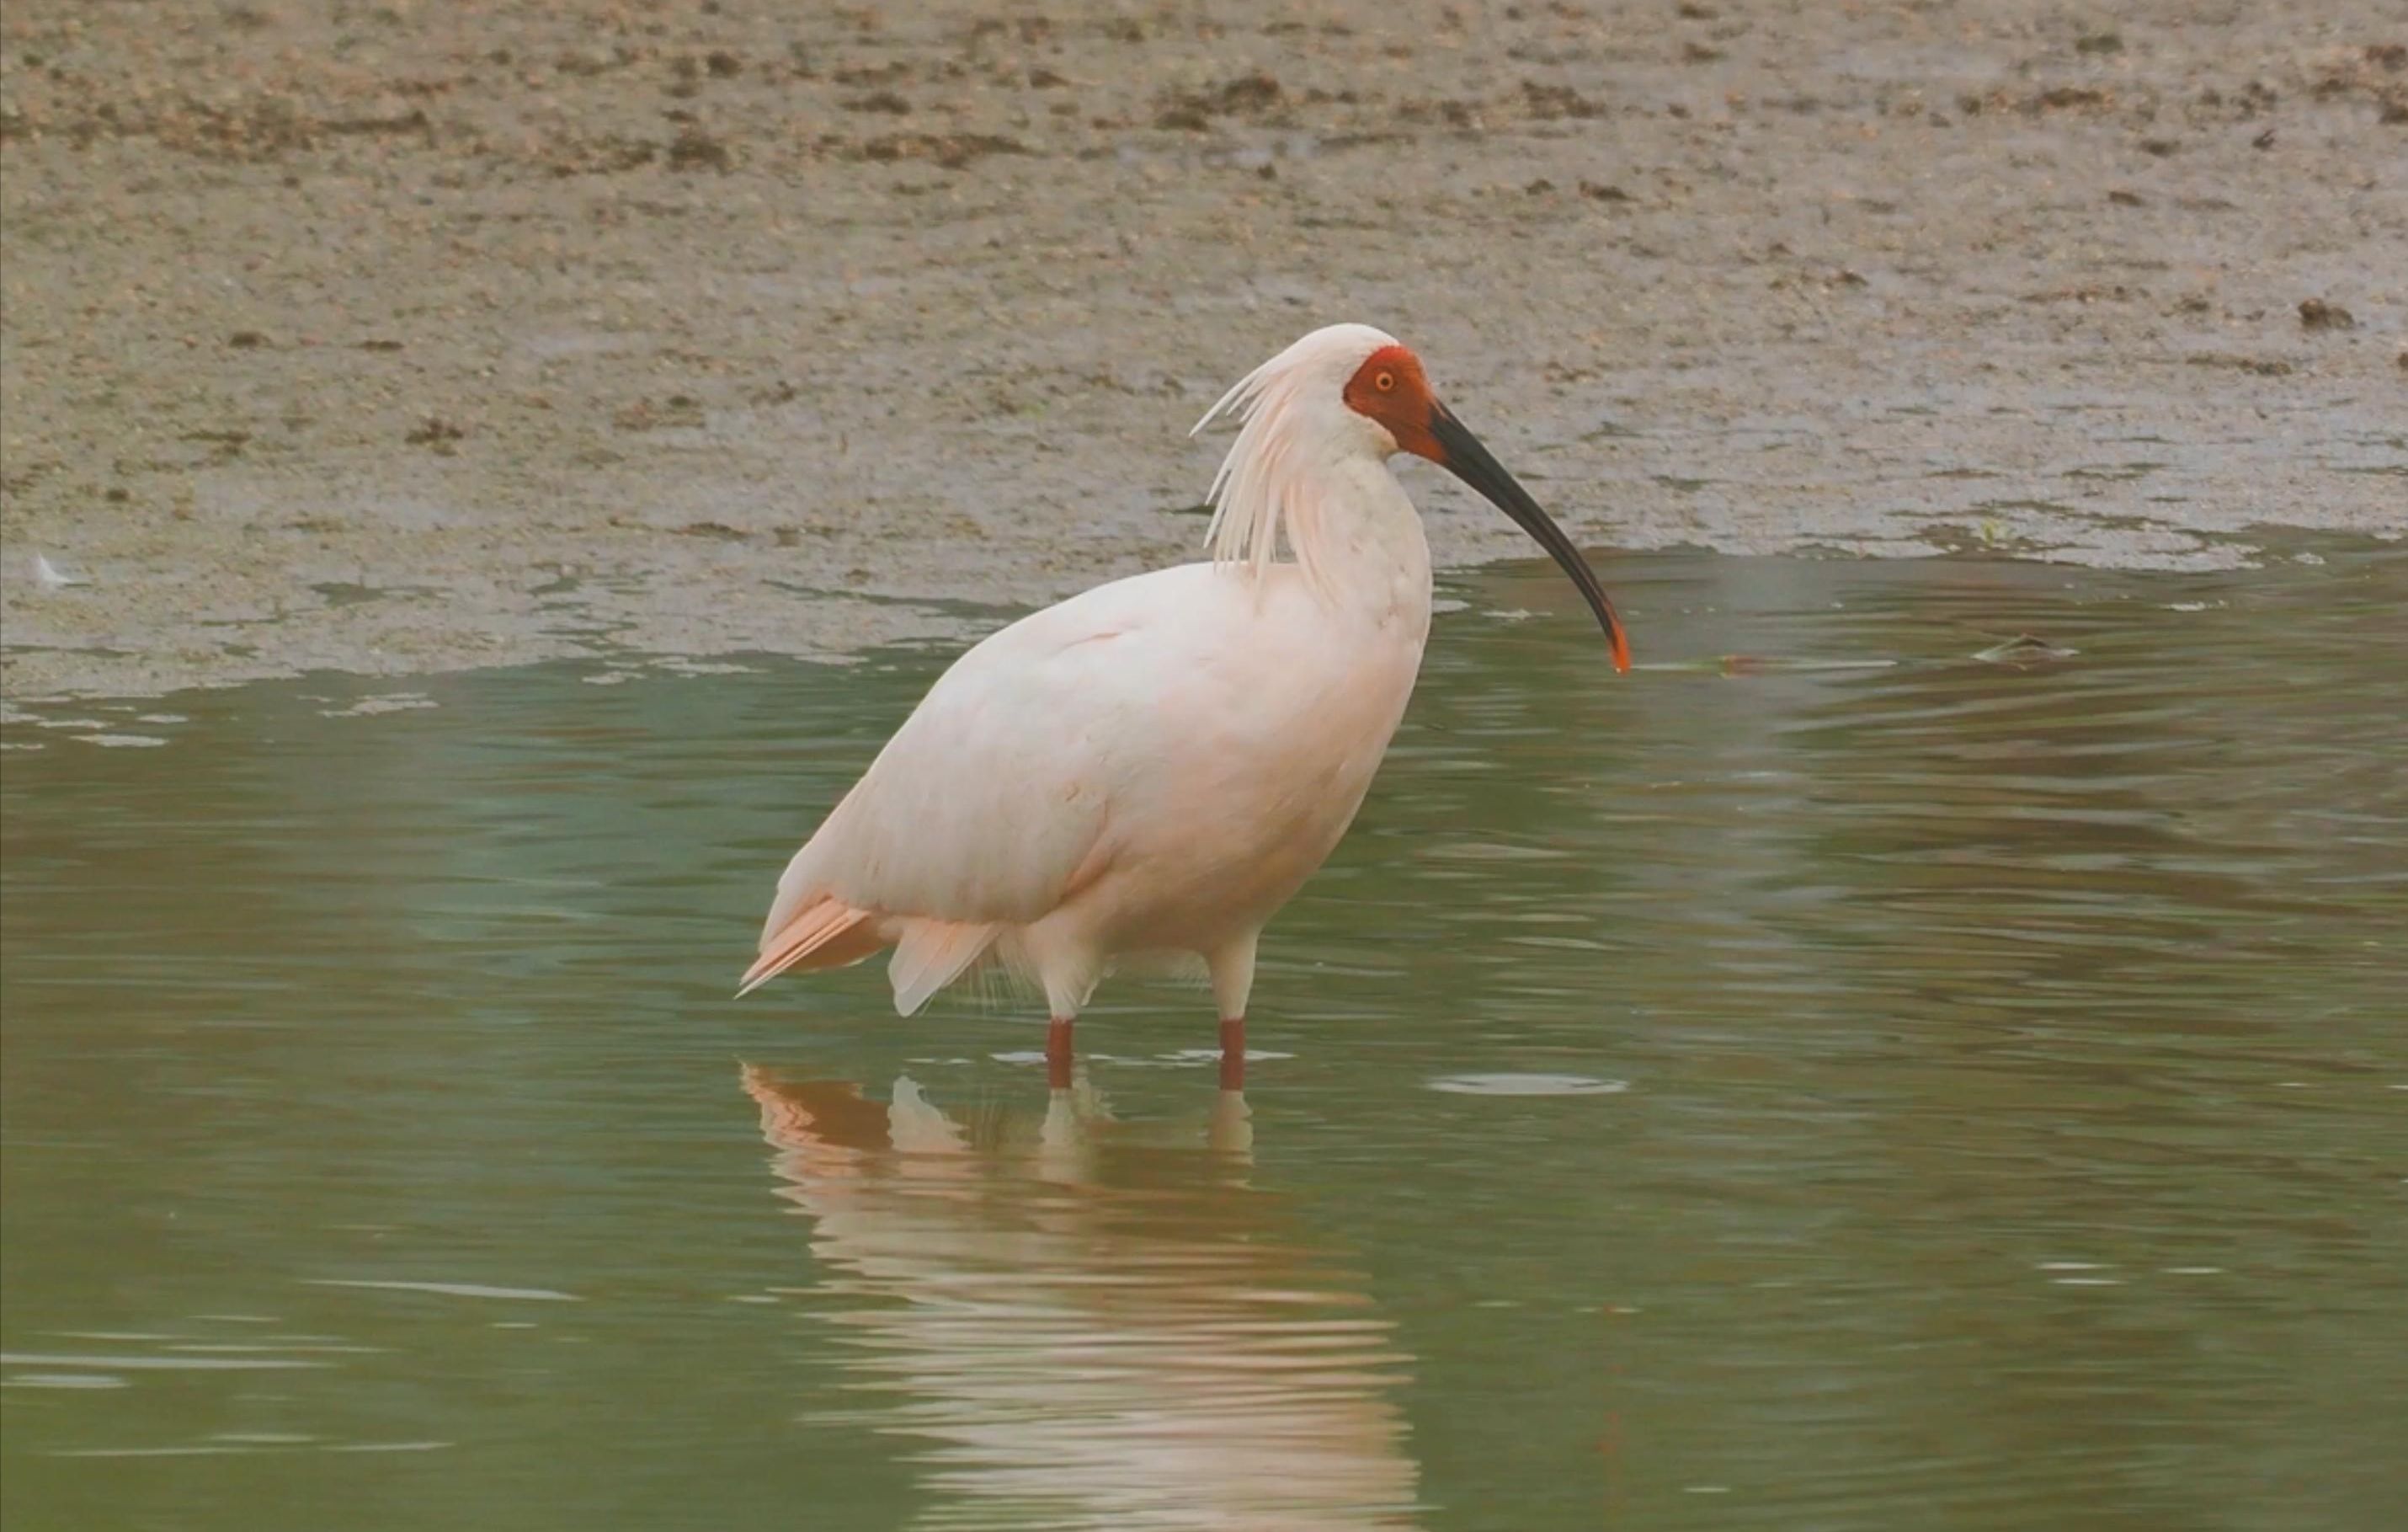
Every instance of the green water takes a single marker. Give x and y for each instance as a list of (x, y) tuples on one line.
[(1872, 1087)]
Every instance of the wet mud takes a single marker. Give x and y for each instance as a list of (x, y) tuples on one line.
[(403, 337)]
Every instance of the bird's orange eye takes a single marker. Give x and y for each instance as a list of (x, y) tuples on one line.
[(1385, 383)]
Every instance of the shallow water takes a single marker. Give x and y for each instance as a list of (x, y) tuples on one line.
[(1859, 1085)]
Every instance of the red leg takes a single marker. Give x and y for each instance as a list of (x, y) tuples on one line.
[(1057, 1054), (1233, 1054)]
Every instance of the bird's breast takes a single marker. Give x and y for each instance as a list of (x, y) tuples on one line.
[(1275, 746)]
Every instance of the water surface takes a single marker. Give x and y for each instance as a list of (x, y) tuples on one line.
[(1824, 1078)]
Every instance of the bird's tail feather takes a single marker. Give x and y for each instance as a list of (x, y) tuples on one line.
[(931, 955), (826, 934)]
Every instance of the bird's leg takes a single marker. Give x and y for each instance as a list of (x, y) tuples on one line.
[(1232, 967), (1057, 1054)]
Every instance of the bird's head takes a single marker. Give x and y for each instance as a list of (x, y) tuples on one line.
[(1356, 389)]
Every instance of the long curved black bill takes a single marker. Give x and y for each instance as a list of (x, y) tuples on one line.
[(1473, 464)]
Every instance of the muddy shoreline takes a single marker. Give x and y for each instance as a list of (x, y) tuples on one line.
[(401, 339)]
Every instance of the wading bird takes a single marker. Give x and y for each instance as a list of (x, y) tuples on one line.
[(1141, 775)]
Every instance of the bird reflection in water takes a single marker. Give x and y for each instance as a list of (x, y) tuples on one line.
[(1094, 1326)]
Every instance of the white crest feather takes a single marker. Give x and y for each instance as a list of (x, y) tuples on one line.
[(1263, 493)]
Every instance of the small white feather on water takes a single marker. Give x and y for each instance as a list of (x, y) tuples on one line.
[(51, 577)]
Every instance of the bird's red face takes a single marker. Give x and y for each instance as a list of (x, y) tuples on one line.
[(1390, 390)]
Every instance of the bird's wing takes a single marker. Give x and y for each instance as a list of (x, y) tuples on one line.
[(991, 804)]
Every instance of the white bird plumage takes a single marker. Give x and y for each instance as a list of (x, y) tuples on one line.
[(1271, 480), (1150, 769)]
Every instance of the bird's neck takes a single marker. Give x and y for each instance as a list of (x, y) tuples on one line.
[(1361, 544)]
